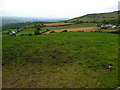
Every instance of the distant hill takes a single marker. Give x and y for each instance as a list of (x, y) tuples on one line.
[(8, 20), (97, 17)]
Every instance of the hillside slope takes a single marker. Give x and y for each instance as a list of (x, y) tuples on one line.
[(97, 17), (61, 60)]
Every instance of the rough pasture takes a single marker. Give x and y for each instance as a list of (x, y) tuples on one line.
[(56, 24), (88, 29), (61, 60)]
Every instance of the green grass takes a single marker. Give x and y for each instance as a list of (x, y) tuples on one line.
[(97, 17), (4, 32), (74, 26), (61, 60), (26, 31), (30, 29)]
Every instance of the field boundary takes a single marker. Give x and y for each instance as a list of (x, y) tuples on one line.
[(88, 29)]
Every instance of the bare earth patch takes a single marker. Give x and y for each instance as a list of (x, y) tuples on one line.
[(88, 29), (1, 35), (55, 24), (104, 30)]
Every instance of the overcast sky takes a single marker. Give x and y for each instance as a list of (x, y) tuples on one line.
[(56, 8)]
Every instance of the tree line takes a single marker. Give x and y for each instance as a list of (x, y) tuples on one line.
[(18, 25)]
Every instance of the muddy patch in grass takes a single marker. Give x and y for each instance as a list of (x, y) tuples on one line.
[(108, 67)]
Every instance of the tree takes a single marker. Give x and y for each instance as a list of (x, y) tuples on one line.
[(87, 22), (13, 34), (98, 25), (94, 21), (77, 22), (9, 31), (65, 21), (47, 30), (38, 26), (64, 31), (52, 32), (37, 32)]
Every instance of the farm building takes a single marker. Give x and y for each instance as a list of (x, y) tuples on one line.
[(12, 32), (108, 26)]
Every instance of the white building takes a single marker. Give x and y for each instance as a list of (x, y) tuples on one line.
[(108, 26), (13, 32)]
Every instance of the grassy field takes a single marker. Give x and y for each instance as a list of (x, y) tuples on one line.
[(56, 24), (97, 17), (31, 30), (27, 31), (61, 60), (73, 26)]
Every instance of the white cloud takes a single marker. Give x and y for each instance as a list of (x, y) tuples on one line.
[(56, 8)]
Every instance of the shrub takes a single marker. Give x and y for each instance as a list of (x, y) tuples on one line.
[(77, 22), (65, 21), (25, 35), (64, 31), (116, 32), (29, 34), (21, 34), (47, 30), (52, 32), (37, 32), (13, 34), (98, 25), (93, 21), (18, 31), (87, 22), (103, 27), (8, 31), (25, 27), (99, 31), (38, 26)]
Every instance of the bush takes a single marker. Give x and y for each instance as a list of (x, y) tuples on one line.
[(93, 21), (22, 35), (29, 34), (9, 31), (116, 32), (87, 22), (79, 31), (77, 22), (65, 21), (98, 25), (47, 30), (13, 34), (52, 32), (103, 27), (98, 31), (38, 26), (25, 35), (25, 27), (64, 31), (37, 32)]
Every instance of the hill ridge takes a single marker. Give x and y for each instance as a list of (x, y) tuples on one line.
[(97, 16)]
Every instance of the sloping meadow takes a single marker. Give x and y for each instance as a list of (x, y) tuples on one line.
[(62, 60)]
